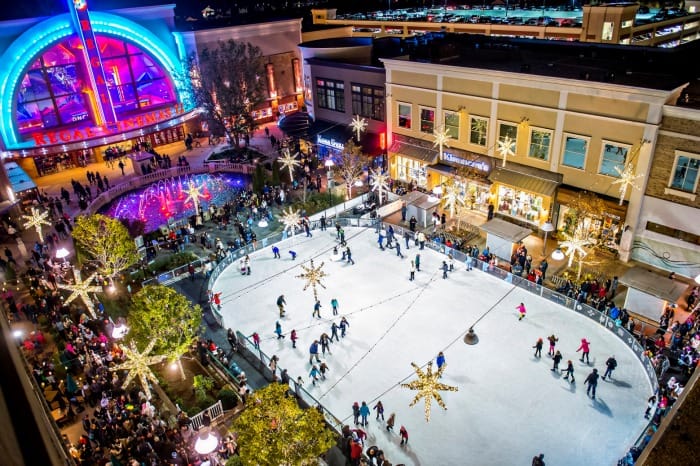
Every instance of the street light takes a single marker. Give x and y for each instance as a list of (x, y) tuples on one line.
[(547, 227), (206, 442), (558, 255)]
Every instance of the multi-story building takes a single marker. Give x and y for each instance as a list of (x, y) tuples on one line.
[(568, 118)]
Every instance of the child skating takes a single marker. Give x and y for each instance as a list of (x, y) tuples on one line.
[(521, 309)]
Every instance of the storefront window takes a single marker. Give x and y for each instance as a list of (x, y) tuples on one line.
[(427, 120), (476, 195), (540, 141), (478, 128), (606, 229), (613, 157), (411, 170), (685, 173), (524, 205), (575, 149), (452, 124), (404, 116)]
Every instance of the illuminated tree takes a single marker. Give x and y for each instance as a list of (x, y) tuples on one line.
[(159, 313), (273, 429), (350, 164), (107, 242), (229, 83), (585, 206)]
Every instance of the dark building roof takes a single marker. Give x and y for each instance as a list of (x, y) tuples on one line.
[(653, 68)]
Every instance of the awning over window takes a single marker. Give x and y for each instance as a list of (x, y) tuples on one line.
[(527, 178), (414, 151), (19, 179)]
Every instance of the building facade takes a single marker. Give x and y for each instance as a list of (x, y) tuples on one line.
[(668, 236), (562, 136)]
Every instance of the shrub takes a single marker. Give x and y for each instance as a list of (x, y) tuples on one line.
[(229, 398)]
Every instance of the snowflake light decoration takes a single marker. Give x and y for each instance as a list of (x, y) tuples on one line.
[(137, 364), (289, 161), (442, 139), (379, 183), (36, 219), (506, 148), (358, 124), (80, 289), (428, 387), (313, 276), (627, 178), (574, 246), (452, 197), (290, 219), (194, 193)]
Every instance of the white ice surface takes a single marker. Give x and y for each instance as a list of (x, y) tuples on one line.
[(509, 406)]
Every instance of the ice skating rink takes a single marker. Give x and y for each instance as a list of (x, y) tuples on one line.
[(509, 406)]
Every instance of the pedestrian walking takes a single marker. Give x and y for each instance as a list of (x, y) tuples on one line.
[(379, 407), (404, 435), (390, 422), (538, 348), (444, 270), (280, 304), (611, 364), (276, 252), (364, 414), (417, 260), (334, 332), (592, 381), (356, 412), (569, 371), (278, 330), (521, 309), (313, 352), (586, 348), (317, 309), (314, 374), (412, 275), (344, 325), (334, 306), (293, 337), (552, 343), (232, 340), (557, 359), (440, 360)]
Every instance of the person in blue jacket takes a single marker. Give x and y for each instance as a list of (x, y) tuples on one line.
[(364, 413), (440, 360), (313, 352)]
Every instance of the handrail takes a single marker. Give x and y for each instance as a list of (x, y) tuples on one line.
[(215, 412)]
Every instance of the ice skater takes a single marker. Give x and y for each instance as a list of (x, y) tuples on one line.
[(293, 254), (586, 348), (276, 252), (390, 422), (344, 325), (611, 364), (444, 270), (325, 344), (256, 340), (451, 262), (417, 261), (412, 271), (364, 414), (356, 412), (334, 306), (406, 237), (323, 368), (380, 240), (334, 332), (348, 254), (557, 359), (398, 250), (278, 330), (592, 381), (569, 371), (280, 304), (521, 309), (552, 343), (404, 435), (246, 264), (293, 337), (379, 407), (313, 352), (538, 348), (440, 360), (317, 309), (314, 374)]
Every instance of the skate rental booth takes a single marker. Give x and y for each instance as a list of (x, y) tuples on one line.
[(502, 238), (648, 293), (420, 205)]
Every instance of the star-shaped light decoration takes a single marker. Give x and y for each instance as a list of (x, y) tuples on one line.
[(194, 192), (452, 197), (313, 276), (627, 178), (137, 364), (428, 387), (36, 219), (289, 161), (80, 289), (358, 124), (574, 246), (290, 219), (379, 183), (506, 148), (442, 139)]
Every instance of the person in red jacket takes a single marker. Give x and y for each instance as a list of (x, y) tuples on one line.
[(355, 452), (585, 347), (404, 435)]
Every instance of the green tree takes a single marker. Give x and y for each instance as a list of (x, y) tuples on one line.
[(229, 83), (273, 429), (106, 241), (161, 313)]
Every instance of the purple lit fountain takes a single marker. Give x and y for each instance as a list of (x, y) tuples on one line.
[(168, 201)]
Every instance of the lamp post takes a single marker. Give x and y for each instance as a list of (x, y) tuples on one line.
[(547, 227), (329, 165), (558, 255), (206, 442)]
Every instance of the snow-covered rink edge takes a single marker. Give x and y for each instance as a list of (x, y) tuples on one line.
[(510, 406)]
